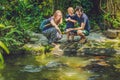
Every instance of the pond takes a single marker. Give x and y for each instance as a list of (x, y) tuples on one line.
[(49, 67)]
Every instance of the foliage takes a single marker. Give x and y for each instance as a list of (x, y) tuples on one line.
[(28, 14), (46, 12), (2, 45), (114, 21), (2, 26), (111, 12), (115, 62), (1, 59), (86, 4), (62, 26), (16, 20)]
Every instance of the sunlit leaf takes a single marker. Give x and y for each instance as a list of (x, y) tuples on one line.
[(1, 59), (43, 56), (4, 47), (2, 26)]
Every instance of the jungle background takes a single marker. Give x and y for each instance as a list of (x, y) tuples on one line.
[(17, 17), (20, 18)]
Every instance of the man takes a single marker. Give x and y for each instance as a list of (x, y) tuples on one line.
[(83, 21)]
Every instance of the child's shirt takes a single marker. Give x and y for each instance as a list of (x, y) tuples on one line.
[(70, 24)]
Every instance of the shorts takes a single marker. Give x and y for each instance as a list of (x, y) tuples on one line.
[(85, 32)]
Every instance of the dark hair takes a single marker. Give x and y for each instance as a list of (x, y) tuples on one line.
[(79, 8)]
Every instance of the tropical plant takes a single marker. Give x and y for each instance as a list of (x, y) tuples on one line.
[(3, 47), (111, 12)]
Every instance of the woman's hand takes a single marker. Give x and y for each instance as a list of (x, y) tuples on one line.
[(58, 29)]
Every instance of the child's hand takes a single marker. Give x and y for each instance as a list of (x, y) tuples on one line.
[(68, 30), (68, 19)]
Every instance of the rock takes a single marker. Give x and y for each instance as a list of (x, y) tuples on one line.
[(117, 51), (32, 68), (42, 40), (54, 64), (34, 49), (33, 40), (37, 38), (112, 34), (119, 34), (57, 51), (98, 51), (96, 36), (70, 52), (64, 38)]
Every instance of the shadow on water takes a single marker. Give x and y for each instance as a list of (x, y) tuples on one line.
[(100, 64)]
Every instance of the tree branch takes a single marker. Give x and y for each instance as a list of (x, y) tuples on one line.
[(101, 7)]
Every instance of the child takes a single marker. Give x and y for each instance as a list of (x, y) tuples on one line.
[(70, 18)]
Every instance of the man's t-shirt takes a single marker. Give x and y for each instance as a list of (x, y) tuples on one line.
[(84, 19)]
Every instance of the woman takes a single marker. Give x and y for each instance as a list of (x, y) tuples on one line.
[(50, 27)]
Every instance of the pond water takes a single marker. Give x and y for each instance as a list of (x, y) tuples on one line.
[(48, 67)]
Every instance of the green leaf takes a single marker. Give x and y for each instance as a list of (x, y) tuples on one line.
[(1, 59), (2, 26), (4, 47)]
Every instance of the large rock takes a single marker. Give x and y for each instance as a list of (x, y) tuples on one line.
[(112, 33), (98, 51), (119, 34), (36, 43), (64, 38), (96, 36), (37, 38), (34, 49)]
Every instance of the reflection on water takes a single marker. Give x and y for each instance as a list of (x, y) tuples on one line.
[(29, 67)]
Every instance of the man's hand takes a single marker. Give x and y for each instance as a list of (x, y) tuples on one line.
[(70, 29)]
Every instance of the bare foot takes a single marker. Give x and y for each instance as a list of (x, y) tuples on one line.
[(82, 40), (54, 45)]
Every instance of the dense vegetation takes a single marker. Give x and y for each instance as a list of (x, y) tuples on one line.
[(19, 16)]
